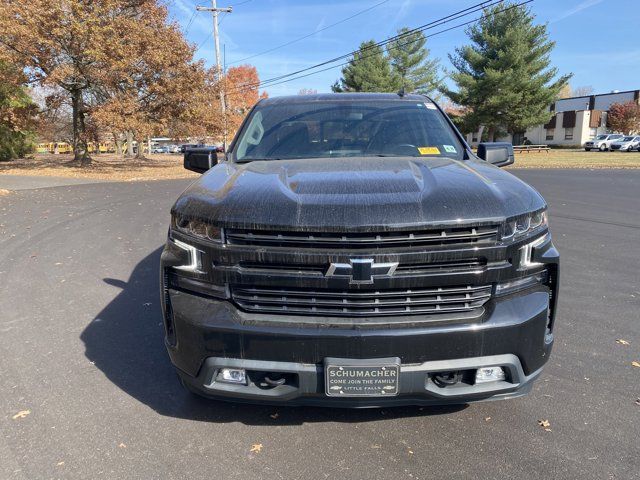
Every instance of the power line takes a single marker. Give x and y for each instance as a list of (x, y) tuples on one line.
[(203, 42), (435, 23), (367, 56), (186, 30), (310, 34), (441, 21)]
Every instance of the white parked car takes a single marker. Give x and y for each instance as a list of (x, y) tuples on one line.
[(626, 144), (602, 142)]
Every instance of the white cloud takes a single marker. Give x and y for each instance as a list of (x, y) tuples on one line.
[(577, 9)]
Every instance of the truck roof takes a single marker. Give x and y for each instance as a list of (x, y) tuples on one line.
[(348, 97)]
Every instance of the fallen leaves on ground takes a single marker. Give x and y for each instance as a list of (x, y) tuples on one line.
[(486, 419), (636, 364), (60, 464), (21, 414), (638, 401), (103, 167), (274, 415), (122, 445), (4, 191), (545, 424), (256, 447), (622, 342)]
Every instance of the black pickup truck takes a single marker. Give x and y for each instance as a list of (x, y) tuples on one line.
[(351, 250)]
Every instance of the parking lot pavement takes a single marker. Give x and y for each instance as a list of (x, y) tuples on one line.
[(82, 357), (28, 182)]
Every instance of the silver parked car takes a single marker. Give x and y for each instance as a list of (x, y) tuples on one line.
[(602, 142), (626, 144)]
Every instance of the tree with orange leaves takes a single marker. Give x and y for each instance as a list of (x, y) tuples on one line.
[(241, 85), (119, 61)]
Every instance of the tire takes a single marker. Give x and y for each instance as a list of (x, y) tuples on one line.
[(603, 147), (587, 149)]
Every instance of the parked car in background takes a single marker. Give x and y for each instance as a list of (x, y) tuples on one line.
[(626, 144), (159, 149), (174, 149), (186, 146), (602, 142)]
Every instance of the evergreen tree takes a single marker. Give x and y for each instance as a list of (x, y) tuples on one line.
[(410, 65), (17, 113), (504, 77), (367, 71)]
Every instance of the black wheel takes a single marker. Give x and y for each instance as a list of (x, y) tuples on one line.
[(603, 147), (587, 149)]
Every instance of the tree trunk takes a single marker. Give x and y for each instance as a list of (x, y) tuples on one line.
[(130, 152), (80, 147), (118, 140), (139, 151), (96, 144), (491, 134)]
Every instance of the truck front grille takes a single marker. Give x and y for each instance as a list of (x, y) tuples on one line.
[(359, 303), (375, 240)]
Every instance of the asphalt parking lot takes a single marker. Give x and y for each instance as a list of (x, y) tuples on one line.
[(81, 351)]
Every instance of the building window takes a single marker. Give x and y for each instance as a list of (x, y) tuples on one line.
[(592, 133), (549, 134), (474, 137), (568, 133)]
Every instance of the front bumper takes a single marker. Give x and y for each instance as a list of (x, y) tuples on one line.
[(416, 384), (211, 334)]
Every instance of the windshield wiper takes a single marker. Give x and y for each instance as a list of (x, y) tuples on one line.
[(248, 160)]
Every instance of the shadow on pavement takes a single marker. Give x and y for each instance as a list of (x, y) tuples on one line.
[(126, 342)]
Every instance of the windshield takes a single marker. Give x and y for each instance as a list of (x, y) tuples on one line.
[(601, 137), (627, 139), (354, 128)]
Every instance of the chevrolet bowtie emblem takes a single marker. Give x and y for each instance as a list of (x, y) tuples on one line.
[(361, 270)]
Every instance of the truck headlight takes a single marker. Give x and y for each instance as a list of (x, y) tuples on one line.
[(196, 228), (522, 283), (187, 255), (526, 252), (523, 225)]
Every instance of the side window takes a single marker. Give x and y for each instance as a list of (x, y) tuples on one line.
[(254, 134)]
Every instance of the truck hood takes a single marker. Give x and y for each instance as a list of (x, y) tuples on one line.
[(356, 193)]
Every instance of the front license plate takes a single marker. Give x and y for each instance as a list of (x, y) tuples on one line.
[(362, 380)]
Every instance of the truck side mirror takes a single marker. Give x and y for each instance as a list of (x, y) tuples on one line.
[(499, 154), (200, 159)]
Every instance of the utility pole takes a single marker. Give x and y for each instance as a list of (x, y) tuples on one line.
[(215, 10)]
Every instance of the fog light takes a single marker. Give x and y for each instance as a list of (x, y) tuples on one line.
[(489, 374), (232, 375)]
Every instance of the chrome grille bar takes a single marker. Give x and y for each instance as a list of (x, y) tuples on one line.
[(453, 235), (362, 303)]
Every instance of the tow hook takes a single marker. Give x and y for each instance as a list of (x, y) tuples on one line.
[(274, 382)]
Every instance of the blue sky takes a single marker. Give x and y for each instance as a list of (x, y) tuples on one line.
[(594, 40)]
